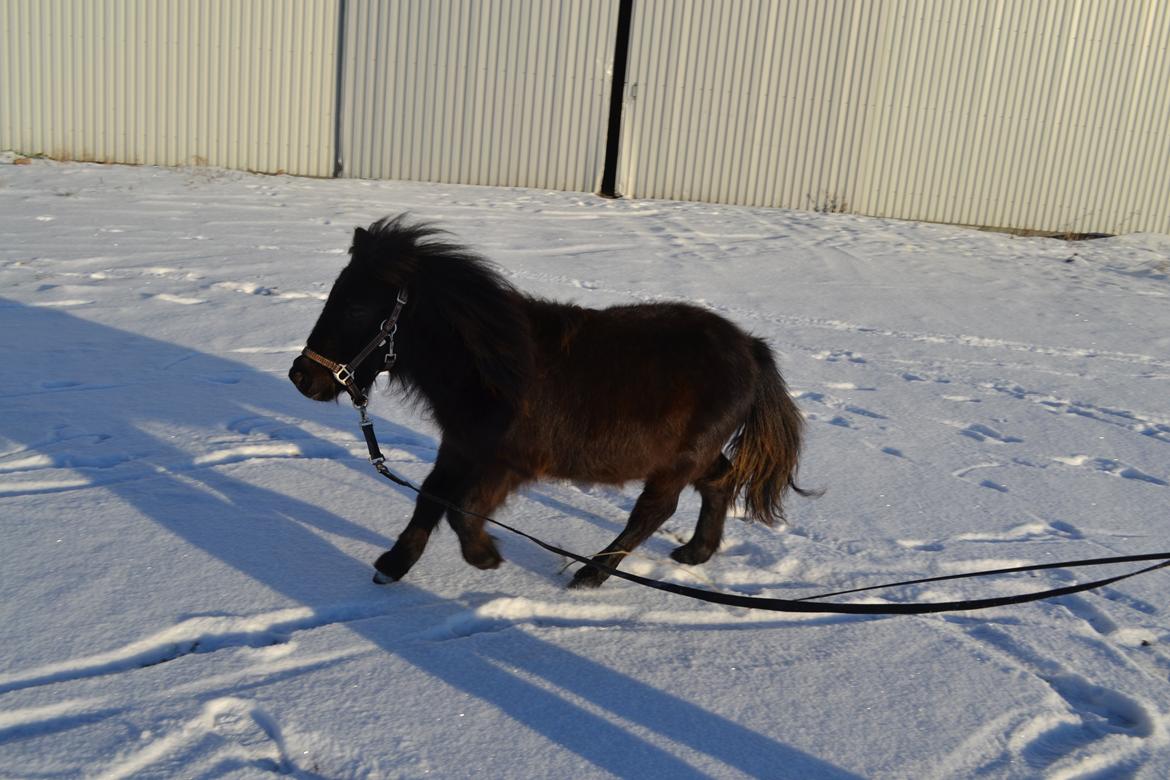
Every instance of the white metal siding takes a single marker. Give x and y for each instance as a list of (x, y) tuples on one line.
[(501, 92), (1038, 114), (246, 85)]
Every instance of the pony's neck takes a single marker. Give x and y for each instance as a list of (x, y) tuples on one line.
[(468, 357)]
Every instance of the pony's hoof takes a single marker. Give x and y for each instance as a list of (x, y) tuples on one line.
[(487, 557), (392, 566), (587, 579), (690, 555)]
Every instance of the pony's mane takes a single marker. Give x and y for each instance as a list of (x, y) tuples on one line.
[(451, 286), (396, 236)]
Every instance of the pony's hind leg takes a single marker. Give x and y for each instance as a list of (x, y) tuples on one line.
[(447, 481), (709, 530), (654, 507)]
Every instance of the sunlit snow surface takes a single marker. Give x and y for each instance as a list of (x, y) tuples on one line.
[(185, 542)]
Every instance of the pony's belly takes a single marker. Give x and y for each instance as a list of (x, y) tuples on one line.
[(609, 462), (611, 446)]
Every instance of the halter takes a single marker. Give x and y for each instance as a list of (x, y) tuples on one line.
[(344, 372)]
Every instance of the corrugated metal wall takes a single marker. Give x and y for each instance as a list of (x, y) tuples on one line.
[(1036, 114), (246, 85), (501, 92), (1046, 115)]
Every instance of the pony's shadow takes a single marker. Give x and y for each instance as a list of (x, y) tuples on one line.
[(104, 385)]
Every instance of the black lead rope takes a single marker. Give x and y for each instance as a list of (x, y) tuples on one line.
[(808, 604)]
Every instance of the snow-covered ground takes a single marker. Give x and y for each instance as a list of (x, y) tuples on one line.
[(185, 541)]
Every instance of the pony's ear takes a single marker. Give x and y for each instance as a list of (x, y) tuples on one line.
[(361, 240), (387, 251)]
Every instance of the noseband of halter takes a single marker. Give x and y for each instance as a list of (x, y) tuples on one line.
[(344, 372)]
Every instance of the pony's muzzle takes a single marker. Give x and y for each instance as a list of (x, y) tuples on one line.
[(312, 381)]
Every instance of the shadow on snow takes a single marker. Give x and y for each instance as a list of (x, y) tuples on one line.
[(81, 384)]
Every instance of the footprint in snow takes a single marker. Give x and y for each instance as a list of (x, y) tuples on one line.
[(237, 731), (980, 432), (840, 406), (1103, 729), (990, 485), (179, 299), (1095, 618), (838, 355), (864, 412), (1039, 531), (248, 288), (1111, 466)]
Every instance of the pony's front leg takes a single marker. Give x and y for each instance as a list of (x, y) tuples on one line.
[(487, 492), (447, 481)]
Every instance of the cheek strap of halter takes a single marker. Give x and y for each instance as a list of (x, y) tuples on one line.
[(344, 373)]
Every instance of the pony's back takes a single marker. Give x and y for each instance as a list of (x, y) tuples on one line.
[(626, 391)]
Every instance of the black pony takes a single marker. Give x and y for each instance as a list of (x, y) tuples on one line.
[(524, 388)]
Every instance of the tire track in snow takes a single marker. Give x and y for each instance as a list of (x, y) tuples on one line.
[(209, 634), (16, 723), (512, 612), (39, 469), (267, 665), (1147, 424), (204, 634), (136, 468), (94, 278)]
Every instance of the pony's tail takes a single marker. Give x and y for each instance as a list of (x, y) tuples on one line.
[(765, 453)]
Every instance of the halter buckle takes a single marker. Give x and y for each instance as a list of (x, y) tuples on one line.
[(388, 330), (385, 338)]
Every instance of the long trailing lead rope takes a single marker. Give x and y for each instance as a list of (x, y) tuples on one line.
[(808, 604)]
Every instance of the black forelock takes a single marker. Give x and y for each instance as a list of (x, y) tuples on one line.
[(414, 252), (453, 292), (397, 236)]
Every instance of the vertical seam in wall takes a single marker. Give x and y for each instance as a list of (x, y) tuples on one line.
[(616, 99), (339, 89)]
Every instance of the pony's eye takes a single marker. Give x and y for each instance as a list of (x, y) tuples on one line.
[(358, 314)]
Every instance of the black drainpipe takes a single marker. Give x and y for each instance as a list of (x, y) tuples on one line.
[(616, 96), (339, 84)]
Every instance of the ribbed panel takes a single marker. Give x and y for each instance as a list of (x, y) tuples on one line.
[(500, 92), (1036, 114), (171, 82)]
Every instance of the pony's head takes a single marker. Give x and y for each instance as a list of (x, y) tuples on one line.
[(463, 327), (383, 260)]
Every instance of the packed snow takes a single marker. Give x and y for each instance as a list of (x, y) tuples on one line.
[(186, 545)]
